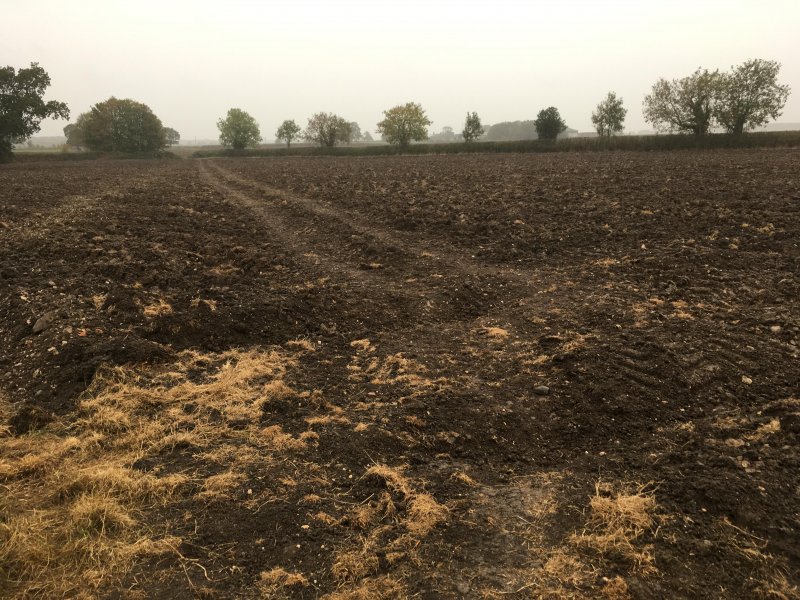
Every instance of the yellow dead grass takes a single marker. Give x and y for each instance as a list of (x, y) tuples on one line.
[(373, 588), (74, 516), (220, 485), (496, 333), (350, 566), (394, 524), (464, 478), (210, 304), (393, 370), (618, 516), (616, 521), (157, 309), (280, 583)]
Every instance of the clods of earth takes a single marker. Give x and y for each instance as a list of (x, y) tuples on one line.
[(478, 376)]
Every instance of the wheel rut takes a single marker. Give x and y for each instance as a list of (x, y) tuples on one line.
[(430, 292)]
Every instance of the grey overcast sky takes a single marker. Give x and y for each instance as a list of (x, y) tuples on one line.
[(191, 61)]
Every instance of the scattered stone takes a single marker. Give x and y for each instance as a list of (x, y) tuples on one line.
[(746, 380), (44, 322), (541, 390)]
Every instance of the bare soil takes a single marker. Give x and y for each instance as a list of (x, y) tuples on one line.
[(511, 376)]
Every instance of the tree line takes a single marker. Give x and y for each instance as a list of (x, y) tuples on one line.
[(746, 97)]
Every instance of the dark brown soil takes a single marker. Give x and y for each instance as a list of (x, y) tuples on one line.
[(655, 295)]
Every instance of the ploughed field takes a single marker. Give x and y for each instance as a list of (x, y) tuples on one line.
[(503, 376)]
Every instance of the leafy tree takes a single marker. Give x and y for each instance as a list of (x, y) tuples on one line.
[(472, 127), (404, 123), (366, 137), (326, 129), (74, 135), (346, 132), (238, 130), (549, 123), (683, 105), (172, 137), (609, 116), (121, 126), (22, 107), (355, 132), (749, 96), (289, 131)]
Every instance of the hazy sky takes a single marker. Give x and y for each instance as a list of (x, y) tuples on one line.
[(192, 61)]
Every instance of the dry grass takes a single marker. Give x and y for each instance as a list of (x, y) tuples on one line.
[(616, 589), (424, 514), (275, 439), (76, 516), (99, 301), (606, 262), (100, 515), (462, 477), (210, 304), (157, 309), (393, 477), (616, 521), (496, 333), (393, 523), (617, 518), (373, 588), (220, 485), (351, 566), (224, 270), (280, 583), (393, 370)]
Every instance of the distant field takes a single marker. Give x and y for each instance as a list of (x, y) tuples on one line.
[(567, 375)]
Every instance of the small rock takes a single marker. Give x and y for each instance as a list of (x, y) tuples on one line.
[(541, 390), (44, 322)]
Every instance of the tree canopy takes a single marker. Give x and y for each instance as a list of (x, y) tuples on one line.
[(472, 127), (404, 123), (609, 116), (238, 130), (355, 132), (171, 136), (549, 123), (288, 132), (120, 125), (74, 135), (750, 96), (22, 105), (327, 129), (683, 105)]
